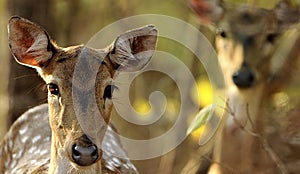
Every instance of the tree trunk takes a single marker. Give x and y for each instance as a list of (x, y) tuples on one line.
[(4, 62)]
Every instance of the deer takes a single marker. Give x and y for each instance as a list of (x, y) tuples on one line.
[(72, 134), (246, 39)]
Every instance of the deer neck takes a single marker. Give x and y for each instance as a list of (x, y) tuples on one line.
[(243, 106), (242, 121), (57, 157)]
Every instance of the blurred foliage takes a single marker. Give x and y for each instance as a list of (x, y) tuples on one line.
[(201, 118), (3, 70), (204, 91), (141, 106)]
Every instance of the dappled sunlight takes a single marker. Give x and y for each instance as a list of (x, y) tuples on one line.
[(204, 91), (141, 106)]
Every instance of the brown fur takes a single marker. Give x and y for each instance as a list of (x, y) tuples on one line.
[(82, 71)]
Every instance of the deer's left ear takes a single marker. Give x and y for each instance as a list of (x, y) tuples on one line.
[(29, 43), (209, 11), (286, 15), (133, 50)]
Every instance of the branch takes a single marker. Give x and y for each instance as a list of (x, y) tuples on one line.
[(280, 78), (267, 148), (220, 164), (231, 113)]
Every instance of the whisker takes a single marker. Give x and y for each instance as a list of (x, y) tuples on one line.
[(24, 76), (117, 101), (43, 101), (117, 83), (40, 86)]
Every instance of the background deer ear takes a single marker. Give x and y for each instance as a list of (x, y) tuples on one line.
[(29, 43), (132, 50), (286, 15), (209, 11)]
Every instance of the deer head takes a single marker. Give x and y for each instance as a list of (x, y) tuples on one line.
[(78, 124), (246, 37), (246, 40)]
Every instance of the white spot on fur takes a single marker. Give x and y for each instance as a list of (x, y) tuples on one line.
[(36, 116), (110, 167), (32, 149), (43, 152), (7, 162), (36, 138), (37, 152), (23, 130), (33, 161), (23, 117), (116, 162), (14, 170), (46, 139), (19, 154), (126, 166), (24, 139), (13, 164), (5, 148), (10, 144), (19, 171)]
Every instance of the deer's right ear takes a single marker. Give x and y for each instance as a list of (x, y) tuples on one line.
[(286, 15), (209, 11), (133, 49), (29, 43)]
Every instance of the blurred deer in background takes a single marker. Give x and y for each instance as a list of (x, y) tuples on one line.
[(247, 37), (82, 140)]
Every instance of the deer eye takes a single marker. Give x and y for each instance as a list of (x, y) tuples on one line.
[(222, 33), (271, 37), (108, 91), (53, 89)]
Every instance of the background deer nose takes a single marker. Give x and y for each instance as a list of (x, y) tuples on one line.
[(243, 78), (84, 153)]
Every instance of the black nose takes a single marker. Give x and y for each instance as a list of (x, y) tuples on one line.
[(84, 152), (243, 78)]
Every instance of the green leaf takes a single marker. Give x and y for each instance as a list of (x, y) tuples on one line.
[(201, 118)]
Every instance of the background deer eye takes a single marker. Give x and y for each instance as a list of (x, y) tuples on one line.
[(271, 37), (53, 88), (108, 91), (222, 33)]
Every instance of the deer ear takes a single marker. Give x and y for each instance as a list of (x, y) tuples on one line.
[(286, 15), (133, 50), (29, 43), (209, 11)]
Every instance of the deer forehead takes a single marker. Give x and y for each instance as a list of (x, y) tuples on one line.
[(77, 66), (249, 21)]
